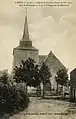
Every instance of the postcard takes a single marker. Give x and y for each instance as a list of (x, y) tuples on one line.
[(38, 59)]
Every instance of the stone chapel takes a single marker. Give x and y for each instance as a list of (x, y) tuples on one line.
[(26, 50)]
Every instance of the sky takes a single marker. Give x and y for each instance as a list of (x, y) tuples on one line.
[(50, 29)]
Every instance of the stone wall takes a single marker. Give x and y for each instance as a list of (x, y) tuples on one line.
[(54, 64), (24, 55)]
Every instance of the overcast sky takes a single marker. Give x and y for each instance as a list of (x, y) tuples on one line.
[(50, 28)]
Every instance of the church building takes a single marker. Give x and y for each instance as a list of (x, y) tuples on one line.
[(25, 50)]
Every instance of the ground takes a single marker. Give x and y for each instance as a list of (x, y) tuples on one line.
[(47, 109)]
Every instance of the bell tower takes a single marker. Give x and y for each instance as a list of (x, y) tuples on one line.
[(25, 49)]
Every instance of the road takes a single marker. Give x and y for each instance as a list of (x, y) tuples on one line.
[(47, 109)]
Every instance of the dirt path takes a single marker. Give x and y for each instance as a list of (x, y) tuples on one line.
[(47, 109)]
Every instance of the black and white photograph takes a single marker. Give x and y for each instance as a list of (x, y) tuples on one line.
[(37, 59)]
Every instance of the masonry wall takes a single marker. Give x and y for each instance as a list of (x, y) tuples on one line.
[(24, 55), (54, 64)]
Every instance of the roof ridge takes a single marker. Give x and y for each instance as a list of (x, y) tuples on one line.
[(54, 56), (47, 56)]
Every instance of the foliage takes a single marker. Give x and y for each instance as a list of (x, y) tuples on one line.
[(4, 76), (62, 77), (27, 72), (30, 73), (45, 75), (44, 72), (12, 97)]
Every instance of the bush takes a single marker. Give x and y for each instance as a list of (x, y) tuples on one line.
[(12, 98), (12, 95)]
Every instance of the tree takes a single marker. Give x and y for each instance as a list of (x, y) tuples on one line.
[(45, 75), (4, 76), (27, 72), (61, 78)]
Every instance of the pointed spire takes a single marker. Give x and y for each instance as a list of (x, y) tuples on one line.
[(25, 41), (25, 32)]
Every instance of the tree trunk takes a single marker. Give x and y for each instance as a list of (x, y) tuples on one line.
[(62, 91), (43, 90), (57, 89), (74, 94), (71, 93), (38, 91), (26, 88)]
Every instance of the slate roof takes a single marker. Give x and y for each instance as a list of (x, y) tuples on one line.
[(41, 58), (26, 48), (73, 71), (52, 61)]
